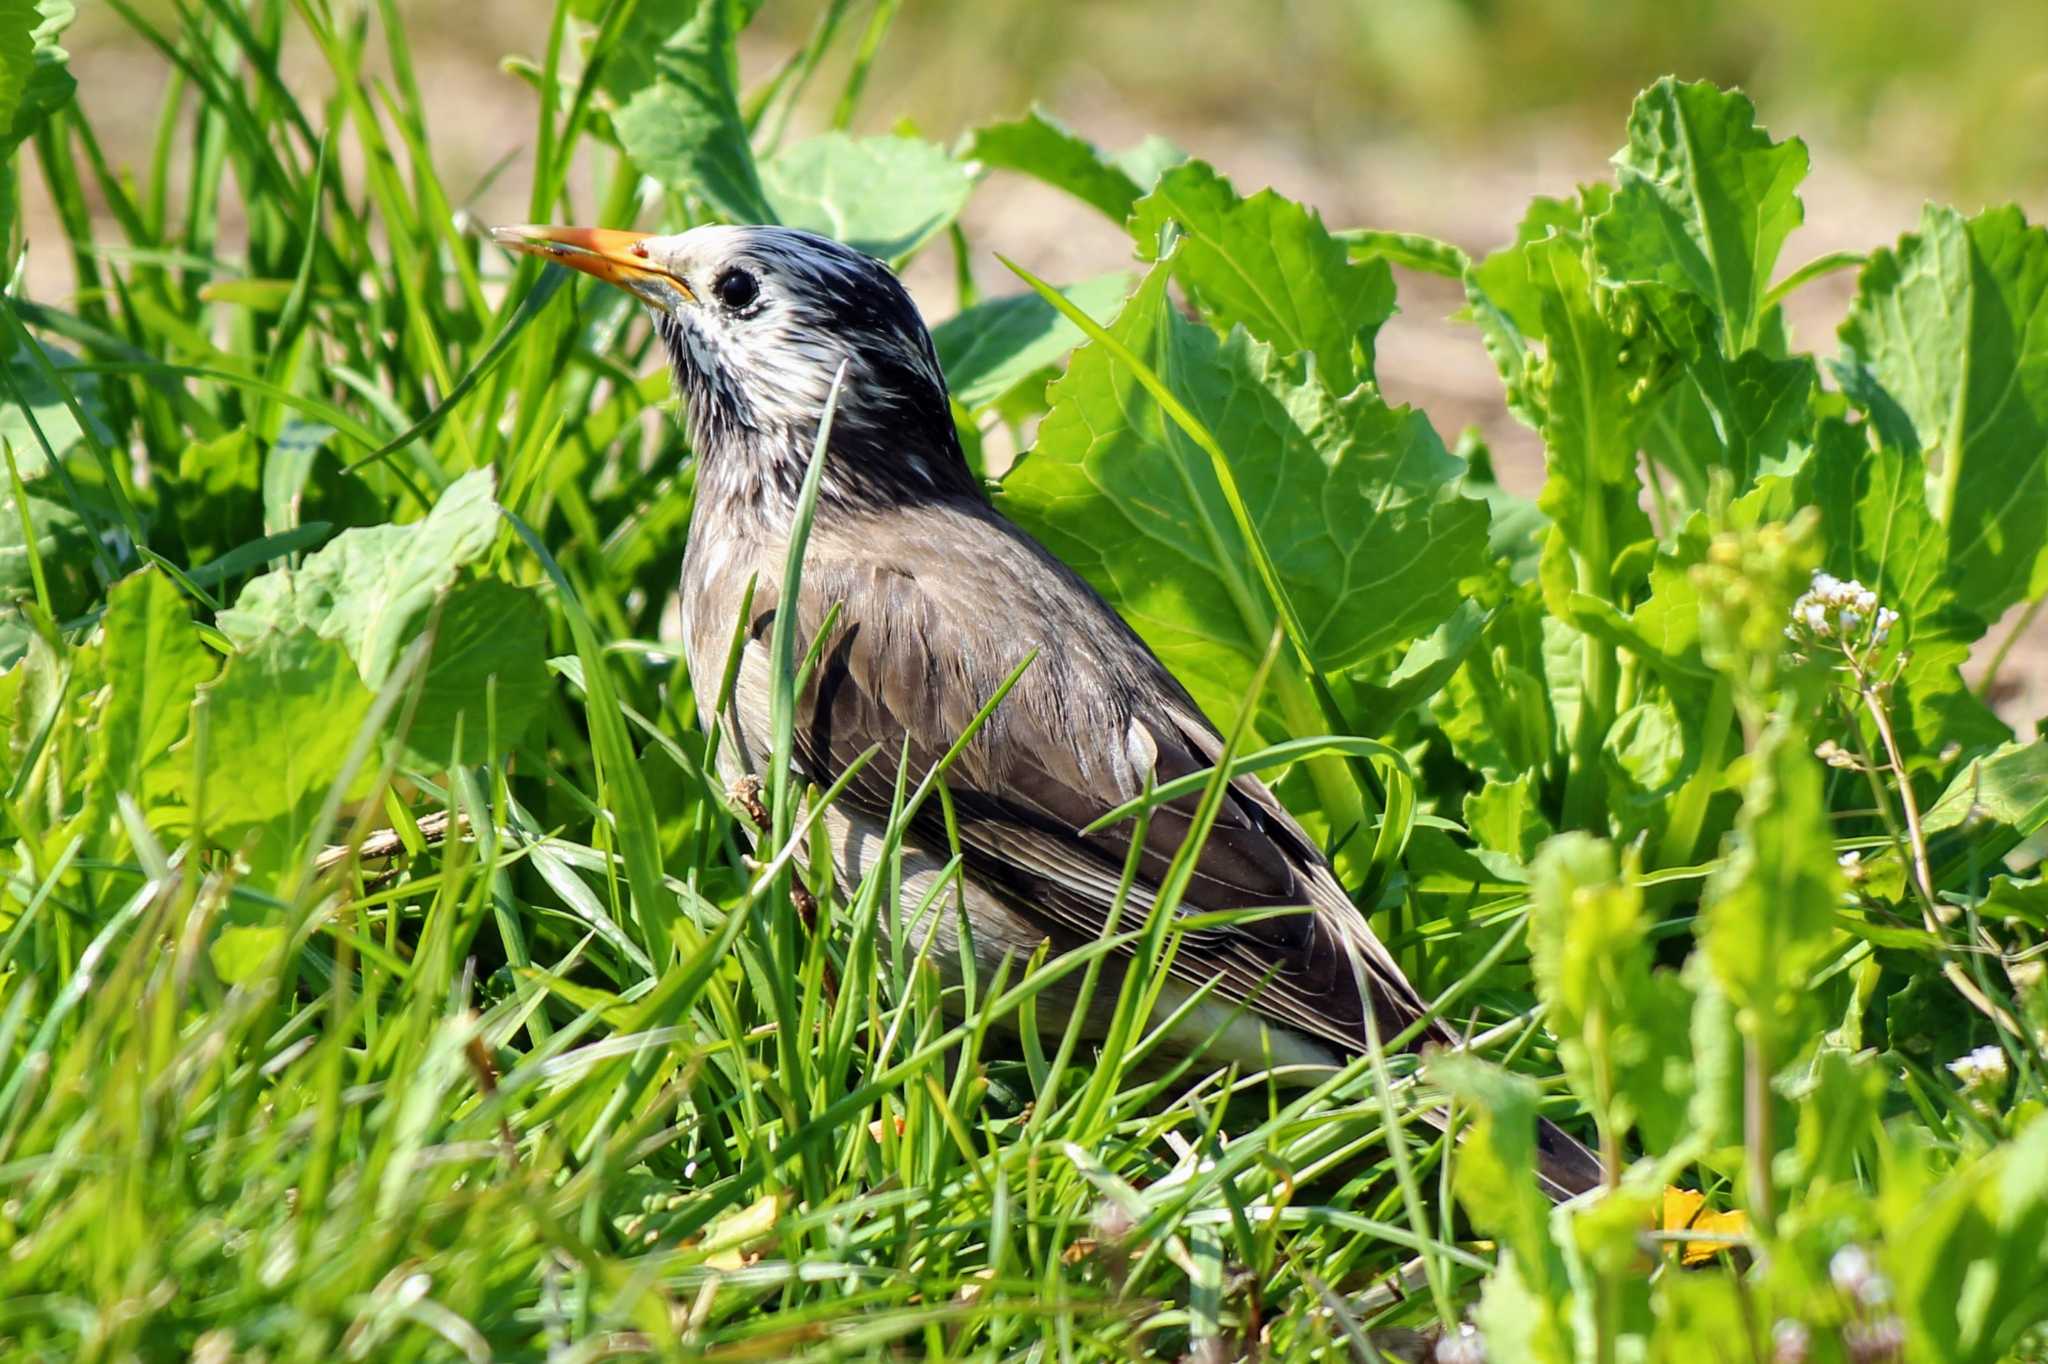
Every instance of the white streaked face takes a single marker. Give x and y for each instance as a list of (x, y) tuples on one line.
[(757, 321), (753, 334), (779, 310)]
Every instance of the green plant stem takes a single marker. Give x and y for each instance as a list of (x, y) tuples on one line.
[(1606, 1309), (1594, 560), (1345, 803), (1680, 844), (1756, 1133), (1923, 879), (28, 533), (1913, 849)]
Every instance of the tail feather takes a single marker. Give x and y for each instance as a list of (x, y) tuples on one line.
[(1564, 1166)]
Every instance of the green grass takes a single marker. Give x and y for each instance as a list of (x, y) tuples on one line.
[(382, 977)]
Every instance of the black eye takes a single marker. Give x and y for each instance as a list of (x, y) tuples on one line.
[(736, 289)]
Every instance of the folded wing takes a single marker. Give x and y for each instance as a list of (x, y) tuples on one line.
[(920, 645)]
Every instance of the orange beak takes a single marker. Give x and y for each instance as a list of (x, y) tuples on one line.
[(603, 253)]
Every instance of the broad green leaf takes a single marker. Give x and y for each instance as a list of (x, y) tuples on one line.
[(886, 196), (58, 693), (1503, 278), (287, 469), (36, 687), (61, 539), (35, 76), (992, 347), (44, 404), (1927, 1020), (673, 74), (1409, 250), (18, 20), (1587, 390), (1269, 264), (2017, 901), (1040, 146), (369, 586), (1742, 415), (243, 952), (1705, 201), (156, 663), (489, 642), (1152, 157), (1953, 324), (1587, 387), (1427, 666), (1356, 501), (281, 719), (1646, 761), (1505, 297), (215, 497), (2009, 786), (1508, 817)]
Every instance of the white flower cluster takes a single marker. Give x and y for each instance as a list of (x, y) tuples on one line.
[(1844, 611), (1855, 1277), (1876, 1336), (1981, 1069)]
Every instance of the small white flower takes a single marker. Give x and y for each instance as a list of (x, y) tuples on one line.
[(1877, 1342), (1854, 1275), (1790, 1342), (1847, 611), (1981, 1069), (1462, 1347)]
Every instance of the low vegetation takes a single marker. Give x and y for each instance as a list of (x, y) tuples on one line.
[(381, 977)]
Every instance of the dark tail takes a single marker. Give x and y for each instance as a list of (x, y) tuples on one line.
[(1564, 1167)]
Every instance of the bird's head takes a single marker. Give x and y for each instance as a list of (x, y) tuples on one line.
[(756, 322)]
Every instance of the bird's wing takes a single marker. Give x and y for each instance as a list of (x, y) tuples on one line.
[(920, 645)]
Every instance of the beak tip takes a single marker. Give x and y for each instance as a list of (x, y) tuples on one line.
[(614, 256)]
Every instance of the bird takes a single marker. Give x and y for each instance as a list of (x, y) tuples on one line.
[(933, 599)]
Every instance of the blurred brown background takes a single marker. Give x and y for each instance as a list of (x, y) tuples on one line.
[(1433, 116)]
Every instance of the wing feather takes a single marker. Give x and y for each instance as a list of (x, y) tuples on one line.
[(929, 627)]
